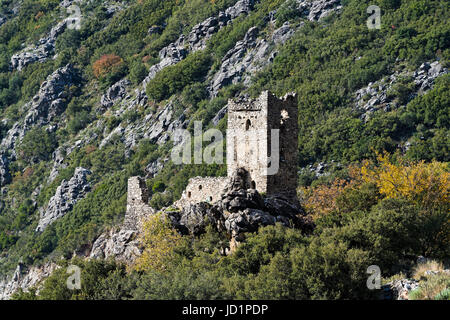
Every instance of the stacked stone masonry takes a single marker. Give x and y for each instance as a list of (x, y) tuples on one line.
[(254, 127), (202, 189)]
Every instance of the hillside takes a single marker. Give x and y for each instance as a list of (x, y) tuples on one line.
[(86, 104)]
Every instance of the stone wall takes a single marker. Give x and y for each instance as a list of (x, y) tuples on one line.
[(137, 204), (283, 115), (202, 189), (246, 138), (249, 135)]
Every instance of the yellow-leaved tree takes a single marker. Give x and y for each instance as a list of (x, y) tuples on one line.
[(159, 240), (427, 184), (321, 199)]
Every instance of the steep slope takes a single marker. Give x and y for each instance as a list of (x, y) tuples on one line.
[(106, 99)]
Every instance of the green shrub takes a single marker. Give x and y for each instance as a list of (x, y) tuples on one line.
[(174, 78), (37, 144)]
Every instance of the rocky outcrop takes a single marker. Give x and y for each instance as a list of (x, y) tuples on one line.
[(317, 10), (115, 93), (240, 210), (39, 52), (2, 20), (154, 167), (399, 289), (155, 30), (66, 196), (120, 244), (249, 56), (375, 96), (233, 63), (49, 103), (220, 115), (197, 38), (129, 102), (158, 129), (23, 279), (5, 176)]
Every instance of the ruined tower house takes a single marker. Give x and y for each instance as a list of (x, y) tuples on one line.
[(255, 127), (262, 138)]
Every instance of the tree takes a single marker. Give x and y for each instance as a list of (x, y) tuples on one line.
[(427, 184), (109, 69), (37, 144), (138, 72), (160, 241)]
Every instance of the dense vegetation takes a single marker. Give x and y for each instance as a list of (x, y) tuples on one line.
[(324, 62)]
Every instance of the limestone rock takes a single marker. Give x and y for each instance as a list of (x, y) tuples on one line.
[(154, 167), (67, 194), (248, 220), (239, 211), (39, 52), (25, 279), (249, 56), (375, 96), (121, 245), (219, 116), (196, 39), (399, 289), (44, 107), (322, 8), (116, 92)]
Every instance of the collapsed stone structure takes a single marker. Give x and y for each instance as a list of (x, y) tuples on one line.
[(137, 203), (262, 142), (262, 138)]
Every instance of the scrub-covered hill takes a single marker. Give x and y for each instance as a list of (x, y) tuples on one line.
[(92, 91)]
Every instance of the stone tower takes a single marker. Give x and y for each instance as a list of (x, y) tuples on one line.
[(137, 203), (262, 137)]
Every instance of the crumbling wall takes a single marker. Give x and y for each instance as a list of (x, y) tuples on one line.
[(202, 189), (137, 204), (283, 115)]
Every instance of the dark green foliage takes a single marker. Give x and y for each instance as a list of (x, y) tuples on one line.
[(99, 280), (79, 115), (158, 186), (174, 78), (36, 145), (138, 72)]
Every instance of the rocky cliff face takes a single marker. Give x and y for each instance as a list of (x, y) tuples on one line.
[(67, 194), (196, 39), (25, 279), (376, 95), (49, 103), (40, 52)]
